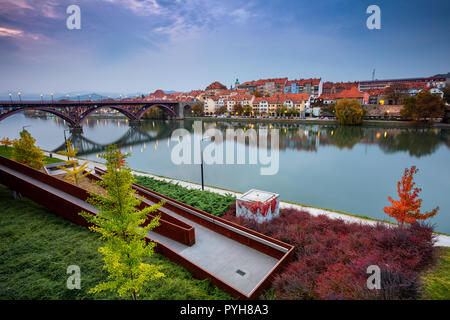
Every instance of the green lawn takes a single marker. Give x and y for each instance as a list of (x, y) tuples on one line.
[(7, 153), (437, 280), (38, 246)]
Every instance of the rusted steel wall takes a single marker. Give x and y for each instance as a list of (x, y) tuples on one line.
[(170, 227), (175, 229)]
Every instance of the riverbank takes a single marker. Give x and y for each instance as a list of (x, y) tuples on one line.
[(441, 239), (375, 123)]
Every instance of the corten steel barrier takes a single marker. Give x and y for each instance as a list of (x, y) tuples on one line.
[(169, 226), (174, 228), (260, 242)]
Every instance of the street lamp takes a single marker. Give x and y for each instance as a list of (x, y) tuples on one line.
[(201, 157), (42, 98), (52, 96), (10, 97), (20, 99), (65, 141), (78, 98)]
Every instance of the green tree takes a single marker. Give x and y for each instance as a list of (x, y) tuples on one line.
[(424, 105), (349, 111), (24, 151), (120, 226)]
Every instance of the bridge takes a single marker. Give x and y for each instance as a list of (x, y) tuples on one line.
[(76, 112)]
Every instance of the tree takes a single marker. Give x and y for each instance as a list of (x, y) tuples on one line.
[(446, 91), (330, 109), (238, 109), (248, 110), (222, 110), (120, 226), (6, 142), (349, 111), (424, 105), (396, 93), (197, 108), (24, 151), (76, 172), (407, 209)]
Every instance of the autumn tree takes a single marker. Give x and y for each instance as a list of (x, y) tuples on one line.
[(349, 111), (446, 91), (197, 108), (238, 109), (6, 142), (24, 151), (222, 110), (73, 170), (407, 209), (120, 225), (423, 106)]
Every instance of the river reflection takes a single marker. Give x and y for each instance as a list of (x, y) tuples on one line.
[(352, 169)]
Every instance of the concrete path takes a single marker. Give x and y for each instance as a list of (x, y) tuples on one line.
[(441, 240)]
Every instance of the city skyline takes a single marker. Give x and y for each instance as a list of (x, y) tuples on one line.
[(128, 46)]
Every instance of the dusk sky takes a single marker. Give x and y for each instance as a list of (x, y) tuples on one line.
[(127, 46)]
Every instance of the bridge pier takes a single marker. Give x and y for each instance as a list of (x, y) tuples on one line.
[(136, 122), (75, 129)]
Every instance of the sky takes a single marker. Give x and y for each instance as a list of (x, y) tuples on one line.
[(128, 46)]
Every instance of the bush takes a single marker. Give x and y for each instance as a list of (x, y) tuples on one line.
[(349, 111), (331, 257), (213, 203)]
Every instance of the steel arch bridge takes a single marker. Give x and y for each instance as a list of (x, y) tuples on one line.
[(75, 112)]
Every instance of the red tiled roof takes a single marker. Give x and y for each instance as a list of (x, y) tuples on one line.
[(264, 81), (302, 82), (353, 92), (216, 85)]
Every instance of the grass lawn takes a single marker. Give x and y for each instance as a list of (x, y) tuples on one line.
[(7, 153), (38, 246), (211, 202), (437, 280)]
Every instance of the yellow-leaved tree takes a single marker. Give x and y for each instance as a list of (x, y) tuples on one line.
[(74, 171), (120, 226), (24, 151)]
